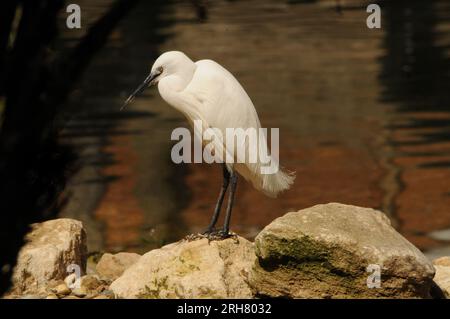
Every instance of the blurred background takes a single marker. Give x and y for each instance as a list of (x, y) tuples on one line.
[(364, 114)]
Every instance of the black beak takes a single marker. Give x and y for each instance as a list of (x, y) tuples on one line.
[(147, 82)]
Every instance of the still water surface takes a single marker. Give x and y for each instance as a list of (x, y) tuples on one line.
[(364, 117)]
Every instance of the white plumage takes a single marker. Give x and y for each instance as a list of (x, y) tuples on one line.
[(206, 91)]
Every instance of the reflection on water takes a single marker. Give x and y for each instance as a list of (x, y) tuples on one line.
[(416, 79), (363, 117)]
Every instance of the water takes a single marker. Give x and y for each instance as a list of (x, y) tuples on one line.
[(363, 117)]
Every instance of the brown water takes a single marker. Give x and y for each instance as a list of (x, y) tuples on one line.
[(363, 117)]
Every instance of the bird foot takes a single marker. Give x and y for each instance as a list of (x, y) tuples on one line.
[(218, 234), (192, 237), (211, 235)]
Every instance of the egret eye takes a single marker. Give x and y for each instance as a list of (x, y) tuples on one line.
[(201, 91)]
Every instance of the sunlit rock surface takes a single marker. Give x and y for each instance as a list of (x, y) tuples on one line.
[(190, 269), (112, 266), (442, 277), (51, 247), (324, 252)]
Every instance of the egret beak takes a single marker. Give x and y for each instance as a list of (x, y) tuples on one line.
[(147, 82)]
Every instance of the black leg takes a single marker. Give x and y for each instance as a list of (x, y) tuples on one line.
[(215, 217), (226, 225)]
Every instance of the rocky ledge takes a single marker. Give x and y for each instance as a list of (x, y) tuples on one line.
[(326, 251)]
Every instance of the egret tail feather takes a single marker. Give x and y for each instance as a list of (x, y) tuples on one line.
[(273, 184)]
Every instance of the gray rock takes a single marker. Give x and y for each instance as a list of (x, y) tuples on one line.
[(324, 252), (190, 269), (51, 247)]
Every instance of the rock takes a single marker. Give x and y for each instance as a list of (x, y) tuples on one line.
[(190, 269), (442, 276), (61, 290), (52, 284), (92, 262), (80, 292), (324, 251), (89, 286), (101, 297), (30, 296), (112, 266), (442, 261), (58, 287), (108, 294), (51, 247)]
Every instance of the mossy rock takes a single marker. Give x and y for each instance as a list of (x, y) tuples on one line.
[(324, 252)]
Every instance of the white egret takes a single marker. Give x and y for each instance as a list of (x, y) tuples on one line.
[(205, 91)]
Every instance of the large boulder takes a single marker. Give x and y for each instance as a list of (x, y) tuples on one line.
[(112, 266), (335, 251), (190, 269), (442, 277), (50, 248)]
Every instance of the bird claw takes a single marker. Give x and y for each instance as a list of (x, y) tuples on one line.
[(192, 237), (211, 235), (218, 235)]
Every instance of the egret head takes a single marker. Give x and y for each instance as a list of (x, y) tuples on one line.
[(168, 63)]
